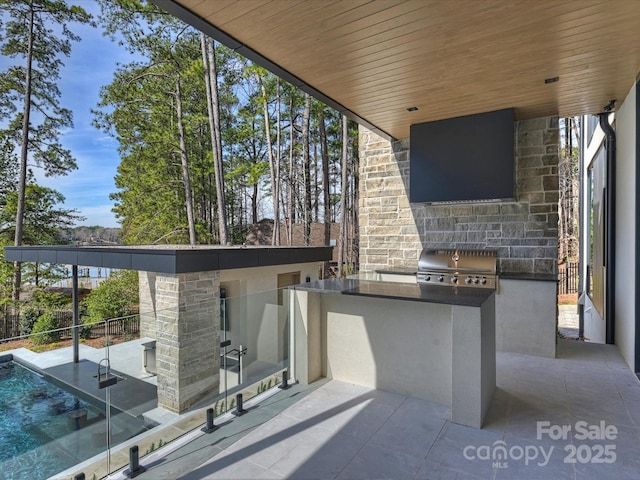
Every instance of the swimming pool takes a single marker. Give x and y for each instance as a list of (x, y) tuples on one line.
[(45, 429)]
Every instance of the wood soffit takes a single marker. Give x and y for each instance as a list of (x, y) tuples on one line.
[(449, 58)]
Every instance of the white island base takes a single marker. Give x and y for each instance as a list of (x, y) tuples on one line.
[(413, 346)]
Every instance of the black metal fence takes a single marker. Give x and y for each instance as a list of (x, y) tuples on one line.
[(118, 326), (568, 278), (10, 326)]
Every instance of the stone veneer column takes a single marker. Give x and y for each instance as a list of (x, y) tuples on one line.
[(147, 291), (524, 232), (389, 235), (188, 338)]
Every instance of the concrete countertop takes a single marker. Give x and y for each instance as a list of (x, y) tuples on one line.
[(464, 296)]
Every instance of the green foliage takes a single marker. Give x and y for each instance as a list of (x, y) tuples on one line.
[(45, 329), (28, 317), (51, 38), (41, 301), (139, 109), (36, 34), (93, 234), (115, 297), (48, 299), (42, 220), (6, 276)]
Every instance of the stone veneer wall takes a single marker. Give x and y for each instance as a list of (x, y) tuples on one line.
[(147, 291), (188, 337), (524, 232)]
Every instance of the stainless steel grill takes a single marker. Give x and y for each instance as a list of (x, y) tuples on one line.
[(469, 268)]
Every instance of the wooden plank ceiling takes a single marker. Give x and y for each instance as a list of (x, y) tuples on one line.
[(447, 57)]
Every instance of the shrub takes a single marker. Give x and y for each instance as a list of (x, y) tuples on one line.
[(86, 328), (42, 330), (28, 317), (114, 297), (50, 299), (41, 301)]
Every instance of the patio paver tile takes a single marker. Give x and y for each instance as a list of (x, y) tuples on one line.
[(378, 462)]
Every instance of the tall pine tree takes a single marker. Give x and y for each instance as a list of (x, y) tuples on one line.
[(36, 35)]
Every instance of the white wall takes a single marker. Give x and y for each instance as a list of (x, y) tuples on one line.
[(526, 317), (399, 346), (626, 131), (594, 324), (255, 318)]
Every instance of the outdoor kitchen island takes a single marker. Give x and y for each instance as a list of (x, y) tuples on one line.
[(418, 340)]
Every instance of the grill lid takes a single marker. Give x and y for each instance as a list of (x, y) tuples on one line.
[(476, 261)]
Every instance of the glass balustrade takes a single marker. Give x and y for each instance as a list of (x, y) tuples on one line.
[(72, 417)]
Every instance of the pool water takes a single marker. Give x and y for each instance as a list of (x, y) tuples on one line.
[(45, 429)]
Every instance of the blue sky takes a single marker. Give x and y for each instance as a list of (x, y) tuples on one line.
[(90, 66)]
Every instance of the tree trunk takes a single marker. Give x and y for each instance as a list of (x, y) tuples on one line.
[(272, 168), (342, 240), (213, 107), (306, 163), (24, 152), (254, 203), (276, 192), (325, 187), (355, 165), (185, 167), (315, 186), (292, 205)]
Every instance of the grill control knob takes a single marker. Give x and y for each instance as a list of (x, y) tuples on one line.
[(428, 278), (468, 280), (476, 280), (441, 278), (483, 280), (454, 279)]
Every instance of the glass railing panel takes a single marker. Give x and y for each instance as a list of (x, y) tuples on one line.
[(95, 410), (259, 343), (62, 404), (252, 352)]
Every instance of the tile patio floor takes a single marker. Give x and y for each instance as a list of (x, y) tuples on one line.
[(568, 320), (343, 431)]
